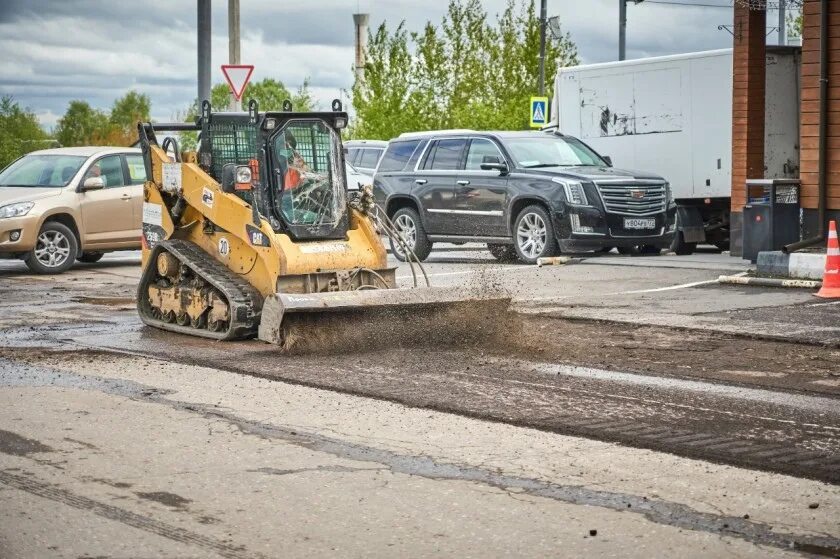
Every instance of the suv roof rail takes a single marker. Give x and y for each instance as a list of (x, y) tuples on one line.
[(434, 132)]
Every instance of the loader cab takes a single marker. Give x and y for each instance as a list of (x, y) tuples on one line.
[(293, 162), (307, 180)]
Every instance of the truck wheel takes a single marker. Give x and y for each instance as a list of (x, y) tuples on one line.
[(90, 257), (502, 253), (55, 249), (533, 235), (408, 225), (679, 246)]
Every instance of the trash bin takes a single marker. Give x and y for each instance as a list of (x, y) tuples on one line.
[(771, 215)]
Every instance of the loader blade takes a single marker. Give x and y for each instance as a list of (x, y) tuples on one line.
[(370, 319)]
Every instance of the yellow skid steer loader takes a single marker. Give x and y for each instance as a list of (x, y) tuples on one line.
[(256, 233)]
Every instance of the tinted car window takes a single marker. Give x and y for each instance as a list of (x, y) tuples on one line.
[(446, 155), (370, 157), (479, 150), (397, 155)]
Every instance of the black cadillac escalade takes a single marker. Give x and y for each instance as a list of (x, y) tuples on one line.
[(525, 194)]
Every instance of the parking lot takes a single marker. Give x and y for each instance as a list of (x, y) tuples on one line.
[(634, 398)]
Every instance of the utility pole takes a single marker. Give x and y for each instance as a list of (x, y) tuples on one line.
[(782, 23), (622, 29), (203, 51), (543, 23), (233, 44)]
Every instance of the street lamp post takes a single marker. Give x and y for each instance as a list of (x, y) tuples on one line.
[(543, 22), (622, 27)]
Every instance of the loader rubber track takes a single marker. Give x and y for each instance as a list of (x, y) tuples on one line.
[(245, 302)]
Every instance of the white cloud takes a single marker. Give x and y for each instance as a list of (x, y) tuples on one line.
[(54, 52)]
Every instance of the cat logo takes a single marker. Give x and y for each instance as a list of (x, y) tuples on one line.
[(257, 237)]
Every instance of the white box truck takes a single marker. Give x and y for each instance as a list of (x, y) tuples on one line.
[(672, 115)]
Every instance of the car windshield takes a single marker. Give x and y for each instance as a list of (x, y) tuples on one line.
[(551, 151), (41, 170)]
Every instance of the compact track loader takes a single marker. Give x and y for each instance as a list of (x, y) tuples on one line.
[(256, 234)]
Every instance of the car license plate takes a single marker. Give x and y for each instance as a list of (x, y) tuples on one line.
[(638, 223)]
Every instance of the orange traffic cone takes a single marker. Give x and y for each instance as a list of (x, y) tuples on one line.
[(831, 279)]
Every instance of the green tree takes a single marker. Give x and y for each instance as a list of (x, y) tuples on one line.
[(794, 23), (126, 112), (269, 94), (20, 131), (81, 125), (465, 72), (381, 100)]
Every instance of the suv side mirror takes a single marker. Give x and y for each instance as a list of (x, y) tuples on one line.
[(607, 159), (93, 183), (501, 167)]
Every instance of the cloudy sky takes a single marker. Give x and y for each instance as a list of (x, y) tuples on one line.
[(58, 50)]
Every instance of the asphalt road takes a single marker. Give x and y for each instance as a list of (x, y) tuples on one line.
[(619, 401)]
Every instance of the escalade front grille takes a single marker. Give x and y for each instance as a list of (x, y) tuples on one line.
[(633, 198)]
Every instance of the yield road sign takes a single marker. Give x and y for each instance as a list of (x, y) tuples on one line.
[(539, 112), (237, 77)]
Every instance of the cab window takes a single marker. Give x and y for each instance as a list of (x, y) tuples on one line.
[(311, 187)]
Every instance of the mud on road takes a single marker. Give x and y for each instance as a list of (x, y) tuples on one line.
[(740, 401), (759, 403)]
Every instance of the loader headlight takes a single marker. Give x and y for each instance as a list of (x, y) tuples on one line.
[(340, 122), (243, 174), (16, 210), (574, 191)]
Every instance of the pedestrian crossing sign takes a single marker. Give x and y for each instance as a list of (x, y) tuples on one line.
[(539, 112)]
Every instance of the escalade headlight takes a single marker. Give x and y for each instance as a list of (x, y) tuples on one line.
[(574, 192), (669, 196), (16, 210)]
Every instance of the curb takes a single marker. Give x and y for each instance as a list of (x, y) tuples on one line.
[(770, 282), (798, 265)]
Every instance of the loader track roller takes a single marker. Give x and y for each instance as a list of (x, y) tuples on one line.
[(183, 289)]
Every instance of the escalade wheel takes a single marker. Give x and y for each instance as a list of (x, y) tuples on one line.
[(55, 249), (533, 235), (408, 225)]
